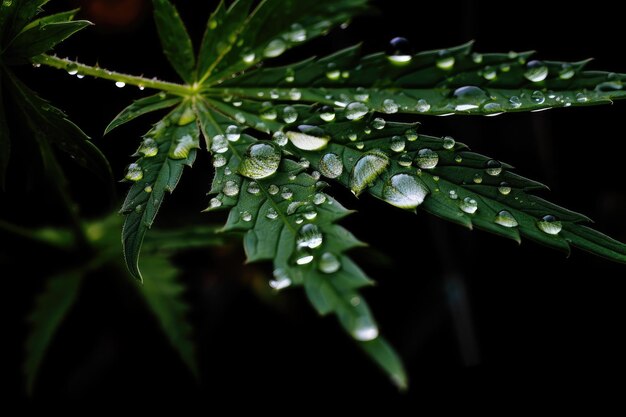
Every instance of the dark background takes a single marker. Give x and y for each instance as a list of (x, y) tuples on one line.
[(472, 315)]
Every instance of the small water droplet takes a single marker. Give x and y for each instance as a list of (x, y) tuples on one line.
[(468, 205), (248, 57), (275, 48), (581, 97), (141, 87), (536, 71), (411, 135), (494, 109), (331, 166), (515, 102), (367, 169), (448, 142), (296, 34), (538, 97), (399, 51), (309, 236), (148, 148), (504, 188), (134, 172), (506, 219), (445, 61), (469, 97), (356, 110), (422, 106), (280, 138), (260, 161), (271, 213), (290, 114), (147, 189), (281, 279), (458, 159), (290, 75), (240, 118), (567, 71), (246, 216), (303, 256), (550, 224), (365, 330), (426, 158), (308, 138), (329, 263), (327, 113), (361, 94), (378, 123), (493, 167), (333, 73), (219, 161), (397, 144), (304, 163), (233, 133), (390, 106), (219, 144), (478, 179), (72, 69), (286, 193), (120, 84), (231, 188), (215, 203), (477, 58), (295, 94), (268, 112), (489, 73), (319, 198), (186, 117), (273, 189), (181, 148), (405, 160), (404, 191)]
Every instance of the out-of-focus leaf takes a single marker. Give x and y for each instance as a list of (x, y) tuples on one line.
[(5, 140), (143, 106)]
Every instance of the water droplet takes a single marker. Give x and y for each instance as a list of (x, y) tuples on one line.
[(290, 75), (390, 106), (426, 158), (361, 94), (286, 193), (260, 161), (290, 114), (296, 34), (331, 166), (404, 191), (550, 225), (397, 144), (468, 205), (187, 117), (378, 123), (367, 169), (411, 135), (333, 73), (493, 167), (212, 24), (240, 118), (182, 147), (149, 148), (319, 198), (147, 189), (303, 256), (515, 102), (505, 67), (219, 144), (231, 188), (478, 179), (281, 279), (445, 61), (506, 219), (246, 216), (538, 97), (72, 69), (422, 106), (405, 160), (248, 57), (399, 51), (280, 138), (453, 195), (356, 110), (268, 112), (494, 109), (327, 113), (567, 71), (219, 160), (581, 98), (271, 213), (120, 84), (477, 58), (215, 203), (309, 213), (227, 171), (504, 188), (365, 330), (309, 236), (329, 263), (275, 48), (458, 159), (489, 73), (295, 94), (273, 189), (309, 138), (304, 163), (536, 71), (469, 97), (233, 133), (448, 142), (134, 172)]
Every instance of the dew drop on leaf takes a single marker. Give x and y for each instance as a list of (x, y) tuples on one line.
[(504, 188), (281, 279), (253, 188), (506, 219), (397, 144), (327, 113), (356, 110), (329, 263), (515, 102), (308, 138), (445, 60), (246, 216), (303, 256), (296, 34), (331, 166), (549, 224), (260, 161), (215, 203), (248, 57), (147, 189), (271, 213), (378, 123), (367, 169), (233, 133), (187, 117), (148, 148), (134, 172), (426, 158), (567, 71), (489, 73), (290, 114), (273, 189), (365, 330), (120, 84), (181, 148), (280, 138), (219, 161), (390, 106), (405, 160), (536, 71), (399, 51), (231, 188), (493, 167), (448, 142), (219, 144), (469, 97), (468, 205), (422, 106), (72, 69), (411, 135), (333, 73), (405, 191), (295, 94), (275, 48), (537, 97), (309, 236)]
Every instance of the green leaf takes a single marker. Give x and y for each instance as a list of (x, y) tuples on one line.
[(175, 40), (183, 238), (167, 148), (17, 15), (384, 355), (50, 124), (163, 293), (143, 106), (41, 38), (273, 27), (50, 310), (287, 218), (447, 81), (5, 140)]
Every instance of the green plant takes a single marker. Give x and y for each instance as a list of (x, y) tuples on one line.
[(274, 132)]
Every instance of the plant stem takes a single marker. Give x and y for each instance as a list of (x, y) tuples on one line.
[(141, 82)]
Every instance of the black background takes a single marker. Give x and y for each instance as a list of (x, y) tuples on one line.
[(472, 315)]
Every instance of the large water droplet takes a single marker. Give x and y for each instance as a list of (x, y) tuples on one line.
[(149, 148), (329, 263), (309, 236), (506, 219), (390, 106), (469, 97), (275, 48), (404, 191), (426, 158), (327, 113), (468, 205), (290, 114), (448, 142), (365, 330), (261, 161), (281, 279), (219, 144), (536, 71), (308, 138), (356, 110), (397, 144), (231, 188), (445, 61), (367, 169), (550, 225), (493, 167), (134, 172), (399, 51), (182, 147), (233, 133), (187, 117), (331, 165)]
